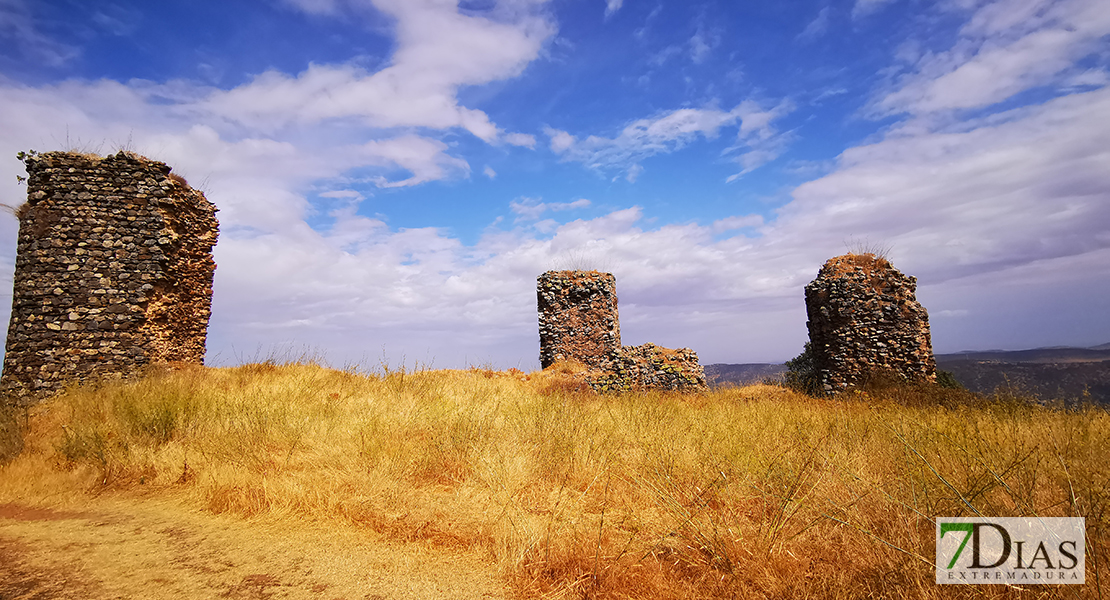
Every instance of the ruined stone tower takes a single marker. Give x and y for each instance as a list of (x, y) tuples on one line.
[(578, 321), (113, 271), (578, 317), (864, 318)]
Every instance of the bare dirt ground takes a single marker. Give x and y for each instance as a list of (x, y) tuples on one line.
[(132, 547)]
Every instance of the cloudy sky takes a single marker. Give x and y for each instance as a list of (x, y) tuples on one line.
[(393, 175)]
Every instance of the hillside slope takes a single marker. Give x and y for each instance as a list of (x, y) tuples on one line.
[(1061, 373), (297, 481)]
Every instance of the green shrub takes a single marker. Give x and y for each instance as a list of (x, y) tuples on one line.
[(948, 380), (802, 375)]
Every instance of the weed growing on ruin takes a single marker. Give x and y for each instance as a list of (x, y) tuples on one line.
[(179, 180), (580, 259), (22, 156), (20, 211), (748, 492), (876, 250)]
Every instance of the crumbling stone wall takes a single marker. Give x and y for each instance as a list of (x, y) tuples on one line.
[(579, 322), (864, 318), (578, 317), (649, 367), (113, 271)]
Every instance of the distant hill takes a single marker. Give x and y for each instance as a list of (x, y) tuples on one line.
[(1047, 373), (746, 374), (1045, 380), (1036, 355)]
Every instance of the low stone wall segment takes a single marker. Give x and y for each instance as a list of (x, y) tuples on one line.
[(650, 367), (578, 321)]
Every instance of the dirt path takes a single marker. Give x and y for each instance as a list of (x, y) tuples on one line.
[(140, 548)]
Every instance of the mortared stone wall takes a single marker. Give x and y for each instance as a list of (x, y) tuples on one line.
[(579, 322), (578, 317), (113, 271), (864, 319)]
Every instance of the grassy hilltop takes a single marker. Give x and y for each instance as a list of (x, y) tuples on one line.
[(746, 492)]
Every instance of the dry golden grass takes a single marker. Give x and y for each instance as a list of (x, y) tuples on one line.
[(150, 547), (749, 492), (847, 263), (179, 180)]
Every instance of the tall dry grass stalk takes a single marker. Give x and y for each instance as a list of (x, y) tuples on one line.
[(739, 493), (11, 431)]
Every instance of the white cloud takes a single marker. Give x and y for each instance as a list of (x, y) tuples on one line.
[(733, 223), (671, 131), (315, 7), (758, 141), (998, 200), (987, 195), (425, 158), (828, 93), (355, 195), (1009, 200), (759, 155), (530, 209), (341, 116), (701, 44), (489, 172), (863, 8), (661, 57), (20, 28), (612, 6), (439, 49), (521, 139), (1088, 78), (1007, 47), (560, 140), (755, 121), (816, 27)]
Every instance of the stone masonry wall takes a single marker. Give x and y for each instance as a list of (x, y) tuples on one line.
[(650, 367), (864, 318), (579, 322), (578, 317), (113, 271)]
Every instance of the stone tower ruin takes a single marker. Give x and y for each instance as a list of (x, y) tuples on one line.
[(578, 317), (864, 319), (113, 271), (578, 322)]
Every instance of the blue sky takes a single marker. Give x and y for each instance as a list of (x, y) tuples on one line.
[(393, 175)]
